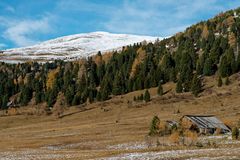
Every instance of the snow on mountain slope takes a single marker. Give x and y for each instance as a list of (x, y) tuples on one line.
[(72, 47)]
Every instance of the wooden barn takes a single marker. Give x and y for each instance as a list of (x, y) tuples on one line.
[(204, 124)]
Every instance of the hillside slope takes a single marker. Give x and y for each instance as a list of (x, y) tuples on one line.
[(206, 49), (118, 127)]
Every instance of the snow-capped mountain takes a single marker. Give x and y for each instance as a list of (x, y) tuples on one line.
[(72, 47)]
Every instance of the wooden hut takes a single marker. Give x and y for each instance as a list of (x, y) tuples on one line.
[(204, 124)]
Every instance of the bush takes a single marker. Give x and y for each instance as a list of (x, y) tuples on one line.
[(174, 137), (199, 144), (235, 133), (190, 137)]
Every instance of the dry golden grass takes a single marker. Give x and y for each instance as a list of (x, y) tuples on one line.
[(174, 137), (88, 133)]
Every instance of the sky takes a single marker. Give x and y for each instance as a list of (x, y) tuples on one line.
[(27, 22)]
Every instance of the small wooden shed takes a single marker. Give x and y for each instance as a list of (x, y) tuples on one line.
[(204, 124)]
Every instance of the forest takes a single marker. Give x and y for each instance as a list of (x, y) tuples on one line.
[(204, 49)]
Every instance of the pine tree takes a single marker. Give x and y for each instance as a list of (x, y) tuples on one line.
[(186, 71), (141, 97), (104, 94), (99, 53), (208, 68), (235, 133), (26, 95), (118, 84), (134, 98), (92, 95), (199, 68), (77, 99), (51, 99), (227, 81), (147, 97), (173, 75), (38, 97), (160, 89), (179, 87), (220, 81), (4, 102), (238, 62), (98, 96), (196, 85), (228, 65), (154, 127), (69, 95)]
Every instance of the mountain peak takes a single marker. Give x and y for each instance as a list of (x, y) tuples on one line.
[(73, 46)]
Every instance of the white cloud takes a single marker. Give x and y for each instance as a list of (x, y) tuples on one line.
[(154, 17), (161, 16), (22, 32)]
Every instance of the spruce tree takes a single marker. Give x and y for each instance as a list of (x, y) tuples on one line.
[(104, 94), (224, 68), (196, 85), (50, 99), (227, 81), (38, 97), (69, 94), (134, 98), (173, 75), (154, 127), (160, 89), (147, 97), (186, 71), (77, 99), (235, 133), (98, 96), (179, 87), (26, 95), (118, 84), (238, 62), (92, 95), (4, 102), (208, 68), (220, 81)]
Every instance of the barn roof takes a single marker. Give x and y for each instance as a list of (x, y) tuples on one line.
[(207, 121)]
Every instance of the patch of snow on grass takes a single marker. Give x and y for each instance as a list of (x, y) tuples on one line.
[(128, 146)]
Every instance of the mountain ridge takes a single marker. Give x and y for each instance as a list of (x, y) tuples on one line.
[(74, 46)]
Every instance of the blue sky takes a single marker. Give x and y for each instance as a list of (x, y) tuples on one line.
[(27, 22)]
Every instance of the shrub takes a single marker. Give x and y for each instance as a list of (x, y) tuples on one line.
[(235, 133), (190, 137), (174, 137), (154, 128), (199, 144)]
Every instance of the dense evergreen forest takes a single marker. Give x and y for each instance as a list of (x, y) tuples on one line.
[(204, 49)]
